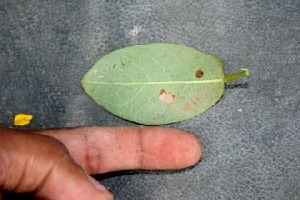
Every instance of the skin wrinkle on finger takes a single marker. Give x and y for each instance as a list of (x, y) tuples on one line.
[(22, 177), (140, 148), (131, 151), (81, 147), (74, 140), (83, 132), (92, 155), (130, 147), (43, 181)]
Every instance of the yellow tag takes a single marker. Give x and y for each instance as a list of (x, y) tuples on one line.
[(22, 119)]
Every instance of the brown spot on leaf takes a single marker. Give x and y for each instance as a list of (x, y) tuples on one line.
[(162, 91), (187, 107), (166, 97), (223, 66), (199, 73)]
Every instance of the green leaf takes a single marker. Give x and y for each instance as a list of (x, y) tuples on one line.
[(156, 83)]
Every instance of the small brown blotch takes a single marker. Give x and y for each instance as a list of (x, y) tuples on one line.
[(199, 73), (187, 107), (166, 97), (223, 66)]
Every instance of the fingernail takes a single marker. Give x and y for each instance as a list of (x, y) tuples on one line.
[(97, 185)]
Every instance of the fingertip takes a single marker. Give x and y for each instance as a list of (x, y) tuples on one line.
[(76, 184), (169, 148), (189, 148), (97, 185), (196, 149), (102, 193)]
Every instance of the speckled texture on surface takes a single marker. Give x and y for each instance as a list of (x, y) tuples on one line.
[(251, 138)]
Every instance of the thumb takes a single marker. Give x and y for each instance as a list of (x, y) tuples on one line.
[(41, 164)]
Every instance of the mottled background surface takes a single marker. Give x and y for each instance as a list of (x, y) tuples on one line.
[(251, 138)]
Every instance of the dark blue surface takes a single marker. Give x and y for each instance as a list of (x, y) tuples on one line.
[(251, 137)]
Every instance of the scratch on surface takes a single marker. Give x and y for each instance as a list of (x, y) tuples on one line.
[(134, 31)]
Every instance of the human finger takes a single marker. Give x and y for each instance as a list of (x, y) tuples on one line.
[(105, 149)]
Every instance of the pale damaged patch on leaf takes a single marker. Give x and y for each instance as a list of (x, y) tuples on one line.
[(22, 119), (166, 97)]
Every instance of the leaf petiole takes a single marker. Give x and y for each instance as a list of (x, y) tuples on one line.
[(243, 72)]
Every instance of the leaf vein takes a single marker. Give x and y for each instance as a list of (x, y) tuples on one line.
[(156, 83)]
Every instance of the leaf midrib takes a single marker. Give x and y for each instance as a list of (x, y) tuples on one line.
[(155, 83)]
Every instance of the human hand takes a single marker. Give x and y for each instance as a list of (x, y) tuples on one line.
[(53, 164)]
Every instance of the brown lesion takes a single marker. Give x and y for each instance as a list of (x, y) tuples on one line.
[(187, 107), (162, 91), (203, 96), (166, 96), (222, 66), (199, 73), (193, 102)]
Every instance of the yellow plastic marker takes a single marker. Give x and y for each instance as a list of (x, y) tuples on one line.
[(22, 119)]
